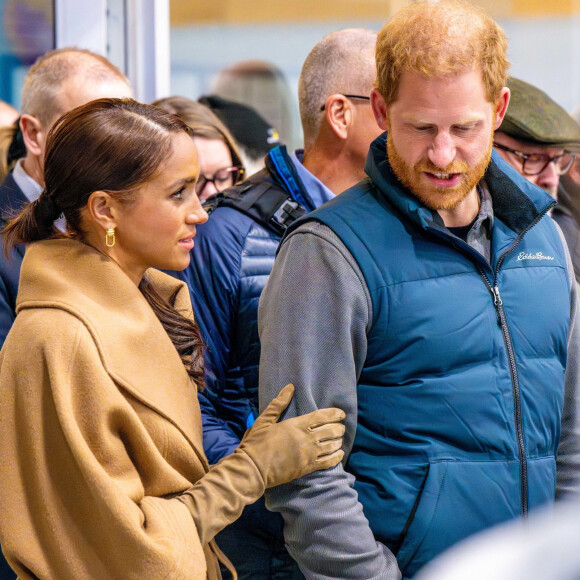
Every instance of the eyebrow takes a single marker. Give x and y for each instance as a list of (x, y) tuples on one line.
[(184, 181)]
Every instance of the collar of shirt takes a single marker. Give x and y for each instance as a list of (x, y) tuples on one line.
[(479, 236), (317, 191), (30, 188)]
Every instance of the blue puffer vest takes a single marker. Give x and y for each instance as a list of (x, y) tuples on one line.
[(460, 398)]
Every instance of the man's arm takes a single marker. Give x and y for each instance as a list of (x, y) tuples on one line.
[(219, 440), (568, 463), (313, 317)]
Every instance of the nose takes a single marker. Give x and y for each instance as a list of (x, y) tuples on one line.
[(442, 150), (196, 214), (549, 178)]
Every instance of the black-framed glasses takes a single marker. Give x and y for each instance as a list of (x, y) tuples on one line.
[(349, 97), (222, 179), (535, 163)]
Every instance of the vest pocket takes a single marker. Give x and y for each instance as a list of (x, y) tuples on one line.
[(459, 498), (422, 513)]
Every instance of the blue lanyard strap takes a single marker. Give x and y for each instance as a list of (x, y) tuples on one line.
[(286, 171)]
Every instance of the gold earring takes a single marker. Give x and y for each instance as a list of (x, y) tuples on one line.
[(110, 237)]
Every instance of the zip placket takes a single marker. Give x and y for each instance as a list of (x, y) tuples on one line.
[(502, 321)]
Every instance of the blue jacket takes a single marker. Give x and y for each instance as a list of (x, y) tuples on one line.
[(461, 394), (12, 200), (230, 264)]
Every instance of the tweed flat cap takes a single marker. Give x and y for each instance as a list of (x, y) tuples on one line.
[(532, 116)]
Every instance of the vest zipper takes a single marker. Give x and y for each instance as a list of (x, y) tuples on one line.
[(502, 321)]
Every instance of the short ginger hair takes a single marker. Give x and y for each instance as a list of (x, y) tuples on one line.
[(441, 38)]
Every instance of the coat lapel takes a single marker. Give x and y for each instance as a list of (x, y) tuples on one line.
[(134, 348)]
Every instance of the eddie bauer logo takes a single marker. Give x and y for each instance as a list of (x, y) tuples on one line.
[(536, 256)]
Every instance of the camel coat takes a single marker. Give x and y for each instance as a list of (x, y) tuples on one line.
[(100, 432)]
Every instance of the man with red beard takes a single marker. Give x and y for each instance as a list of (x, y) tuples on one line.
[(435, 303)]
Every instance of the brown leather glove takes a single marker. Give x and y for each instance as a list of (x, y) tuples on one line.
[(295, 447)]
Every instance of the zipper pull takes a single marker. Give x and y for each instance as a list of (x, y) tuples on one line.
[(497, 302), (497, 297)]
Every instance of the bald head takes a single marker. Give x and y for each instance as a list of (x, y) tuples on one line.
[(65, 78), (342, 62), (58, 82)]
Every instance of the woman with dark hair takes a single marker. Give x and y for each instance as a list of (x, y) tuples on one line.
[(219, 159), (103, 472)]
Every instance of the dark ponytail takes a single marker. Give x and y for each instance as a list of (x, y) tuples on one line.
[(35, 222)]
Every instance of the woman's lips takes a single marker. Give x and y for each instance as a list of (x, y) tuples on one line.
[(186, 243)]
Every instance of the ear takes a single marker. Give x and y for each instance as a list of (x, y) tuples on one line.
[(102, 209), (33, 134), (379, 109), (338, 115), (501, 106)]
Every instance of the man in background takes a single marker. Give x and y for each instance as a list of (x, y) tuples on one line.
[(434, 303), (235, 251), (58, 81), (539, 139), (567, 212), (537, 136)]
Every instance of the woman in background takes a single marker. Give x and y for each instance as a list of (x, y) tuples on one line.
[(103, 471), (219, 159)]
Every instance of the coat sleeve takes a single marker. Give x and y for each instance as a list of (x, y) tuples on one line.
[(83, 496)]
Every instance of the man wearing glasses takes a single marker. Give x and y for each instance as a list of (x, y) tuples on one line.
[(537, 137)]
